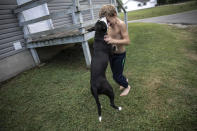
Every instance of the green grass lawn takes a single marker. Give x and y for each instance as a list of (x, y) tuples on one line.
[(161, 67), (161, 10)]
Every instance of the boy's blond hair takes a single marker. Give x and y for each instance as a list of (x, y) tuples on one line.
[(107, 11)]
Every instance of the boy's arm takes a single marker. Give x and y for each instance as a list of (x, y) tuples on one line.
[(125, 37)]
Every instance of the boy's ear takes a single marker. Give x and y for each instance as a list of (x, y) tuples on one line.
[(91, 29)]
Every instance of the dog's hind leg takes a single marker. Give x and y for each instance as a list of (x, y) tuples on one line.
[(111, 97), (95, 94), (110, 94)]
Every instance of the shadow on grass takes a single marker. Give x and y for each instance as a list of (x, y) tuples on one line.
[(71, 57)]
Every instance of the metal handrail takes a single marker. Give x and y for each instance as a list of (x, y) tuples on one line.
[(125, 13)]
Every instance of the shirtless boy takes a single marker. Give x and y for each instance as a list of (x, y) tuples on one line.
[(117, 36)]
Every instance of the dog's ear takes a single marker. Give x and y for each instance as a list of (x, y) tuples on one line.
[(91, 29)]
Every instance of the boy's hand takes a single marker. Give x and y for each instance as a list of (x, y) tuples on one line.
[(108, 39)]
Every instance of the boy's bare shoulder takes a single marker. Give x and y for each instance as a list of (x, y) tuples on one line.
[(121, 24)]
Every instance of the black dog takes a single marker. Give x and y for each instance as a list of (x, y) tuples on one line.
[(102, 50)]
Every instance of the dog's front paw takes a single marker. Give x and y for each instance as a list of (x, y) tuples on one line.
[(100, 118), (119, 108)]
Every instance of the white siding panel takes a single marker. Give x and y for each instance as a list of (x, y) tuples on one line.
[(96, 13), (86, 15), (7, 45), (57, 6), (10, 31), (101, 1)]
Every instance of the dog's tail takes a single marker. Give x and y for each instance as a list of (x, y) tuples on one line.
[(95, 94)]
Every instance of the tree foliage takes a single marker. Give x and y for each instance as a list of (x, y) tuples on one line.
[(119, 6), (162, 2)]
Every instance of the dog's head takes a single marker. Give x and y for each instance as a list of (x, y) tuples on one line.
[(100, 26)]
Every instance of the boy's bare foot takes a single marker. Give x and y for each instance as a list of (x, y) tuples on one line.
[(121, 87), (126, 91)]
